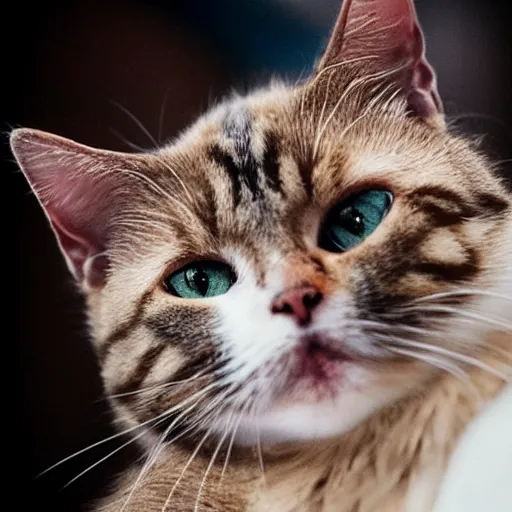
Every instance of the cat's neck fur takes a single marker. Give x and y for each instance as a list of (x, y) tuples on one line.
[(393, 462)]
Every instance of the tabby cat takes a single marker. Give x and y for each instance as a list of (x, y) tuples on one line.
[(301, 302)]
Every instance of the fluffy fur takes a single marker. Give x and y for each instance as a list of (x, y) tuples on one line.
[(419, 313)]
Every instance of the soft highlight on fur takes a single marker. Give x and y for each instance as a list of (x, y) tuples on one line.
[(415, 321)]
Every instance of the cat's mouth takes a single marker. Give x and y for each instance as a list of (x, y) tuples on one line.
[(316, 367), (314, 390)]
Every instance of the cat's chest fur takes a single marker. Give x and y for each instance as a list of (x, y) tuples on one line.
[(394, 462)]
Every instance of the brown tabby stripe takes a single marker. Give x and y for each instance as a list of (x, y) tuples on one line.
[(271, 162), (224, 160), (146, 362), (449, 271), (490, 202), (448, 208), (306, 165), (199, 361), (207, 213), (246, 170), (125, 328)]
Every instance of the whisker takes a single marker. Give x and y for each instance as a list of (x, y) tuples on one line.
[(449, 353), (136, 121), (159, 446), (258, 445), (123, 139), (155, 452), (162, 114), (461, 292), (127, 431), (187, 465), (461, 313), (230, 445), (434, 361), (221, 399), (194, 377), (210, 465), (112, 453)]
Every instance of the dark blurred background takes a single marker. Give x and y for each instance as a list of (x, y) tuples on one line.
[(97, 72)]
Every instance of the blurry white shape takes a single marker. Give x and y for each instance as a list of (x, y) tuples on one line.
[(479, 477)]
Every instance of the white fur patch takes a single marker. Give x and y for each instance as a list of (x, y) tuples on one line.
[(254, 339)]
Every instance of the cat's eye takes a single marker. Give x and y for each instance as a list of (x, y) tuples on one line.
[(354, 219), (200, 279)]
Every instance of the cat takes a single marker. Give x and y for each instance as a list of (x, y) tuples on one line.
[(301, 302)]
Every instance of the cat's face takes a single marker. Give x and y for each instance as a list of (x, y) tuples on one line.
[(303, 339), (295, 261)]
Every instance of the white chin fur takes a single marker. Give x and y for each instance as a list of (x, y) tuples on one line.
[(296, 421), (303, 422)]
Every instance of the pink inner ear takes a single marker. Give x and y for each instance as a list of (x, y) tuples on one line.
[(385, 35), (78, 203), (84, 255), (80, 191)]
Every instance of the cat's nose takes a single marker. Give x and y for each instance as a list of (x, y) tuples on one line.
[(297, 302)]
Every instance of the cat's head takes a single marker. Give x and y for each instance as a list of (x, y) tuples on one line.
[(297, 259)]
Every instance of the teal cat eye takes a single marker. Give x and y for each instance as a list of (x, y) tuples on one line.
[(354, 219), (200, 279)]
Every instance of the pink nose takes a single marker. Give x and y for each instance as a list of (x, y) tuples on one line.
[(297, 302)]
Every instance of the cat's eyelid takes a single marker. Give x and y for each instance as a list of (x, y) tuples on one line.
[(356, 188), (182, 261)]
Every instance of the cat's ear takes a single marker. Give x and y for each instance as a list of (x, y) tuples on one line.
[(80, 192), (384, 35)]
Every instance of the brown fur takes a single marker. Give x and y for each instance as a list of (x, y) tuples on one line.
[(372, 468), (257, 177)]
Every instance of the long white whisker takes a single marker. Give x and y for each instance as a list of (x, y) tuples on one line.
[(194, 377), (220, 400), (92, 466), (230, 446), (461, 292), (258, 444), (103, 441), (189, 462), (210, 465), (157, 449), (162, 115), (461, 313), (127, 431), (433, 361), (131, 145), (136, 121), (449, 353)]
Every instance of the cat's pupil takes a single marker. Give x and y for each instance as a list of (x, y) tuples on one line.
[(353, 220), (198, 280)]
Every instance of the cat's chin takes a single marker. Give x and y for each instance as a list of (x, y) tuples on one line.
[(316, 412)]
